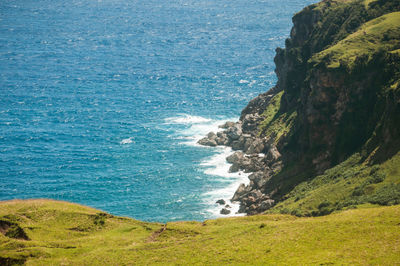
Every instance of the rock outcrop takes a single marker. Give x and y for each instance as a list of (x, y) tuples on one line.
[(338, 92), (253, 154)]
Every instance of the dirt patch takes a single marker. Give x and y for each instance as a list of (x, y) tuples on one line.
[(156, 234), (12, 261), (12, 230)]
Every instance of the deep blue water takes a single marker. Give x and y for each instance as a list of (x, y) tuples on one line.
[(101, 101)]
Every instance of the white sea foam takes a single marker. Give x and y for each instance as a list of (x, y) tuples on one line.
[(217, 165), (243, 81), (187, 119), (193, 129), (126, 141)]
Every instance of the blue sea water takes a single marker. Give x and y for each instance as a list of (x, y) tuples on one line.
[(101, 102)]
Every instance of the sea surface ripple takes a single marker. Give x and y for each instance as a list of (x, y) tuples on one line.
[(101, 102)]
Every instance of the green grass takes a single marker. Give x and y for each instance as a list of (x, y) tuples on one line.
[(380, 34), (346, 185), (367, 2), (271, 110), (276, 124), (369, 235)]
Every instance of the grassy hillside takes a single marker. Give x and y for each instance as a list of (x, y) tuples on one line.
[(61, 233), (380, 34), (347, 185)]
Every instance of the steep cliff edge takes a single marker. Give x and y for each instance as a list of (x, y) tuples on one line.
[(327, 136)]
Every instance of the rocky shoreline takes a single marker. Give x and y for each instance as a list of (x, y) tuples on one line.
[(253, 154)]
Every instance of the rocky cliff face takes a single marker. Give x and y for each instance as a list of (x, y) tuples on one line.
[(338, 93)]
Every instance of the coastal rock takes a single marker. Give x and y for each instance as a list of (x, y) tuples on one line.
[(248, 140), (207, 142), (249, 164), (257, 106), (227, 124), (225, 211), (220, 202), (211, 135), (210, 140), (222, 138), (234, 168), (221, 141), (221, 135), (242, 208), (251, 122), (234, 132), (237, 144), (239, 192), (256, 146), (272, 154), (265, 205), (250, 200), (275, 167), (235, 157), (257, 194), (255, 164), (259, 178), (255, 202)]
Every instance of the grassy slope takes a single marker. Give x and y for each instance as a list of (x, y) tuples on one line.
[(276, 124), (347, 185), (382, 33), (369, 235)]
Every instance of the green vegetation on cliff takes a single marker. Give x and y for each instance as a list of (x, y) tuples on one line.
[(378, 35), (276, 124), (60, 233), (351, 183), (338, 82)]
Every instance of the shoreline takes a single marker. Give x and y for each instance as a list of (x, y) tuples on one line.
[(256, 157), (215, 165)]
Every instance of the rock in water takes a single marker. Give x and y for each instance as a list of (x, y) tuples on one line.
[(227, 125), (221, 202), (207, 142), (234, 132), (225, 211), (239, 192)]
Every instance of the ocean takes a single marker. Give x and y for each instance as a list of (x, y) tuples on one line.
[(102, 102)]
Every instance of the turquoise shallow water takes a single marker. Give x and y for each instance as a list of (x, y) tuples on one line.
[(101, 102)]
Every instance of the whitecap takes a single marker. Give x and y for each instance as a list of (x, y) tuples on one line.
[(126, 141), (193, 128), (217, 165), (243, 81), (187, 119)]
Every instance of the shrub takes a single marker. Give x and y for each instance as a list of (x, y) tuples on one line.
[(377, 177), (387, 195)]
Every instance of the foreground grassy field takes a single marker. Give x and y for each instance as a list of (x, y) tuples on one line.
[(60, 233)]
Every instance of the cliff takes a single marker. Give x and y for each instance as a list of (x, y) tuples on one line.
[(327, 136)]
